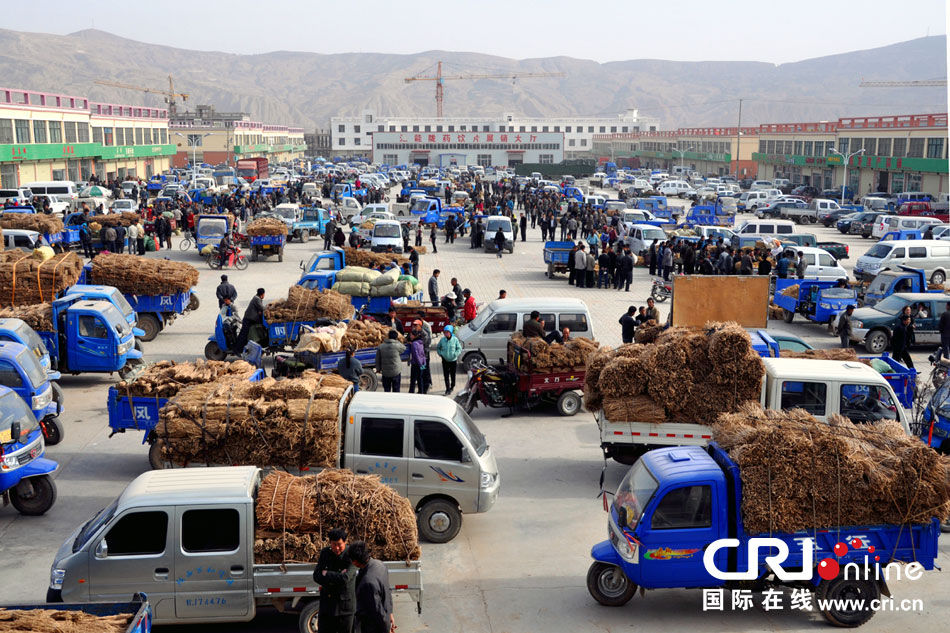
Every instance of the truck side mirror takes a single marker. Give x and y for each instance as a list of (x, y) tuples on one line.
[(15, 431), (300, 264), (102, 549)]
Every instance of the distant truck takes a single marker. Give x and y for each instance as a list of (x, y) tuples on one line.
[(312, 223), (886, 283), (789, 383), (251, 169)]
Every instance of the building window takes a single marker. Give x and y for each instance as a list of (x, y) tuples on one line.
[(583, 142), (164, 135), (8, 175), (546, 159), (107, 137), (534, 128), (522, 129), (613, 129), (603, 129), (900, 148), (485, 128), (798, 148), (484, 160), (138, 136), (568, 129), (883, 147), (356, 129), (843, 145), (762, 146), (870, 147), (390, 159), (570, 142), (341, 128), (543, 128), (913, 182), (438, 128), (557, 128), (368, 119), (808, 148), (97, 135), (70, 131), (356, 141), (119, 135), (415, 128), (22, 130), (934, 147), (915, 149), (428, 128), (6, 132), (451, 128), (380, 128), (39, 131), (341, 141), (392, 128), (770, 147)]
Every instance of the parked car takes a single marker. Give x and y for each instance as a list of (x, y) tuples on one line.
[(806, 191), (835, 194), (831, 217)]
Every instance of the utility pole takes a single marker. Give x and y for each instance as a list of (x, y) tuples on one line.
[(846, 159), (738, 138)]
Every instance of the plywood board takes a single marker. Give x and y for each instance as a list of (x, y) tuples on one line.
[(701, 298)]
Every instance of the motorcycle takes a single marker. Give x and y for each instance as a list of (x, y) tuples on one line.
[(662, 290), (235, 259), (934, 428), (488, 386), (939, 365)]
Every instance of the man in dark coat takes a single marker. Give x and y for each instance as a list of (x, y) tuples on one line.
[(336, 574), (225, 291), (254, 315), (374, 600), (625, 270), (901, 341)]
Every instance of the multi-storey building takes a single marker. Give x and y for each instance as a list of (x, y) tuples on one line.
[(48, 136), (352, 136)]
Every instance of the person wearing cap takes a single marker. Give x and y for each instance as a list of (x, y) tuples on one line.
[(350, 368), (449, 350), (469, 311), (225, 291), (844, 327), (448, 304)]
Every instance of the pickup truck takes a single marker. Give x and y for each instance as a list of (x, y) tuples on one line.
[(789, 383), (186, 539), (816, 300), (886, 283), (838, 250), (312, 222), (323, 263), (643, 552)]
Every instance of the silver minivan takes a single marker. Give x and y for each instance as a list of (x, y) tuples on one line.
[(933, 256), (485, 339)]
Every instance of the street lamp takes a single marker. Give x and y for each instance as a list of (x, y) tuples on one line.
[(682, 157), (846, 159), (193, 141)]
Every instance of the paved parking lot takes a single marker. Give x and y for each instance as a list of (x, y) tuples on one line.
[(520, 567)]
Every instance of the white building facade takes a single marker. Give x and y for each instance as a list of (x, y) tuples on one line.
[(352, 136), (443, 149)]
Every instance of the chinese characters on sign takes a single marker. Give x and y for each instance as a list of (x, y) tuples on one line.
[(467, 137)]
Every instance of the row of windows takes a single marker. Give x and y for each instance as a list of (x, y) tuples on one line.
[(896, 147), (495, 146), (570, 142), (709, 147), (578, 129), (24, 131)]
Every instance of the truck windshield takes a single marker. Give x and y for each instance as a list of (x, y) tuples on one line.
[(30, 338), (419, 205), (119, 301), (13, 409), (286, 212), (31, 366), (212, 227), (941, 400), (92, 525), (116, 320), (493, 226), (470, 431), (634, 492), (386, 230), (653, 234), (878, 251), (891, 305), (837, 293), (480, 320)]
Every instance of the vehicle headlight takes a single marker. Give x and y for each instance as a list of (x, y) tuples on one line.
[(42, 400), (10, 462), (857, 324), (56, 578), (487, 480), (826, 306), (126, 346)]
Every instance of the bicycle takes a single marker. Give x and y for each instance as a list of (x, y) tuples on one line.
[(186, 243)]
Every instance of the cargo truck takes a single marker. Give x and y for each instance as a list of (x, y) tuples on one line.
[(251, 169)]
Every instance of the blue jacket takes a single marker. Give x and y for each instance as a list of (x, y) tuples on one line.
[(449, 348)]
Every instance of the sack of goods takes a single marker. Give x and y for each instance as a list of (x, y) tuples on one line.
[(140, 276), (166, 378), (126, 218), (267, 226), (32, 222), (303, 304), (25, 280), (799, 473), (294, 515), (547, 357), (365, 334), (333, 338), (61, 621), (368, 259), (328, 338), (292, 423), (38, 316), (684, 376)]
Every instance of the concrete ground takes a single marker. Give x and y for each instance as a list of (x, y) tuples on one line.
[(520, 567)]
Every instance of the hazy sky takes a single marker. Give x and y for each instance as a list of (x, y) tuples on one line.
[(602, 30)]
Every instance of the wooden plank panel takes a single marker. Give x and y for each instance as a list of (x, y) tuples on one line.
[(700, 298)]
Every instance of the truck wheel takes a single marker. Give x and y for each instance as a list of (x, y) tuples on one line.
[(843, 596), (193, 302), (471, 359), (213, 352), (876, 341), (569, 403), (150, 325), (53, 431), (608, 585), (439, 521), (42, 499), (789, 316), (304, 236), (58, 396), (938, 277), (254, 255), (131, 365), (307, 623), (155, 458), (368, 380)]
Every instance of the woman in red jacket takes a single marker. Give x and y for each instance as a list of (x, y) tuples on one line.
[(468, 310)]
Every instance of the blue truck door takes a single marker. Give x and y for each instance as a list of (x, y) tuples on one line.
[(682, 524), (93, 348)]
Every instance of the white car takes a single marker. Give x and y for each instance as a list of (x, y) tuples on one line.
[(821, 264), (676, 188), (124, 204), (761, 185)]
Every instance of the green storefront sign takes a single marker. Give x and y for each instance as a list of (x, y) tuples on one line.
[(138, 151), (796, 159), (677, 156), (889, 163), (48, 151), (247, 149)]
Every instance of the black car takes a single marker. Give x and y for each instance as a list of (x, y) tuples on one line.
[(806, 191), (775, 209), (745, 183), (830, 218)]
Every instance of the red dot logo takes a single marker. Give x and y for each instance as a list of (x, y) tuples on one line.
[(828, 568), (871, 549), (840, 549), (856, 543), (877, 558)]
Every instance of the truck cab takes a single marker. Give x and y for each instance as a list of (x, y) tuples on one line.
[(886, 283), (17, 331), (110, 294), (312, 221), (288, 212), (429, 450), (22, 372), (91, 336), (422, 207), (209, 229), (386, 237), (324, 262)]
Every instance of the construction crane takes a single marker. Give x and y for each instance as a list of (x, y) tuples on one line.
[(917, 83), (170, 94), (438, 78)]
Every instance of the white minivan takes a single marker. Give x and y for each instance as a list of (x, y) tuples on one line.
[(767, 227), (821, 264), (65, 188), (761, 185), (752, 200), (887, 223), (640, 236), (933, 256), (679, 188), (485, 339)]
